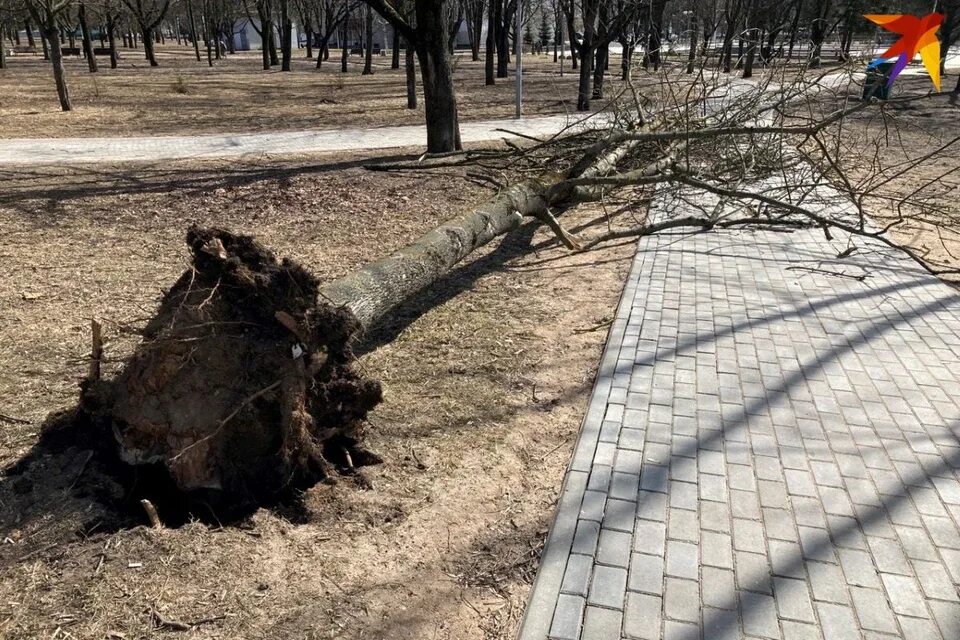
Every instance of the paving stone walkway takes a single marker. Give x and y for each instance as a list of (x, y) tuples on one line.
[(771, 451), (42, 151)]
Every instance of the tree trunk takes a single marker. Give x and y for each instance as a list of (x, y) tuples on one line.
[(368, 42), (308, 28), (573, 46), (344, 46), (3, 54), (148, 46), (439, 99), (46, 48), (87, 44), (692, 55), (274, 59), (656, 32), (112, 40), (244, 417), (411, 72), (29, 28), (286, 35), (600, 64), (727, 50), (751, 53), (395, 51), (193, 30), (503, 43), (51, 35), (266, 28), (490, 78)]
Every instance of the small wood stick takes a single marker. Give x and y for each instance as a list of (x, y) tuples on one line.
[(151, 514), (96, 352)]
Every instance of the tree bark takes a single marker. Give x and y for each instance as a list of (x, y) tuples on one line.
[(490, 75), (692, 55), (193, 30), (439, 99), (148, 46), (50, 33), (112, 40), (368, 42), (395, 51), (411, 73), (87, 44), (286, 31)]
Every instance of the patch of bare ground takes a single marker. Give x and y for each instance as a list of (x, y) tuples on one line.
[(183, 96), (911, 150), (486, 378)]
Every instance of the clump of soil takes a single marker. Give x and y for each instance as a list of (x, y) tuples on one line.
[(243, 388)]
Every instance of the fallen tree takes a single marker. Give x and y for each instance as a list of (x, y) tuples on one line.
[(245, 386)]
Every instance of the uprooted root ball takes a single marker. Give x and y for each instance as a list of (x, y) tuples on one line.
[(243, 386)]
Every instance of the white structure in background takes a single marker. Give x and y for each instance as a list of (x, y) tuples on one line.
[(247, 38)]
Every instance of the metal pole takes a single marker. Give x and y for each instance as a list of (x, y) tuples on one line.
[(519, 42)]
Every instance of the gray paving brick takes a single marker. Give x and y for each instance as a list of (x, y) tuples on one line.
[(935, 581), (641, 616), (858, 568), (719, 588), (837, 622), (586, 537), (827, 582), (567, 618), (799, 631), (614, 548), (576, 578), (683, 560), (904, 595), (652, 506), (888, 556), (753, 572), (646, 574), (608, 587), (872, 610), (681, 600), (759, 615), (918, 629), (683, 525), (793, 599), (602, 623), (748, 536)]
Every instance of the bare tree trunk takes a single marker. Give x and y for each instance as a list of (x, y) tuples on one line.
[(51, 36), (29, 28), (193, 30), (286, 34), (411, 69), (395, 51), (344, 45), (87, 44), (692, 55), (112, 40), (368, 42), (491, 43), (148, 46), (3, 53), (439, 99)]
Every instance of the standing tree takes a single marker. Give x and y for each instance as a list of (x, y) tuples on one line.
[(148, 15), (47, 13), (85, 32), (430, 38), (474, 10)]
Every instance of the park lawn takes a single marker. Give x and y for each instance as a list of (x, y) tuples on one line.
[(879, 147), (486, 378), (183, 96)]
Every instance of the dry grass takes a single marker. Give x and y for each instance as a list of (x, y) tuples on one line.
[(486, 380), (183, 96), (885, 150)]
